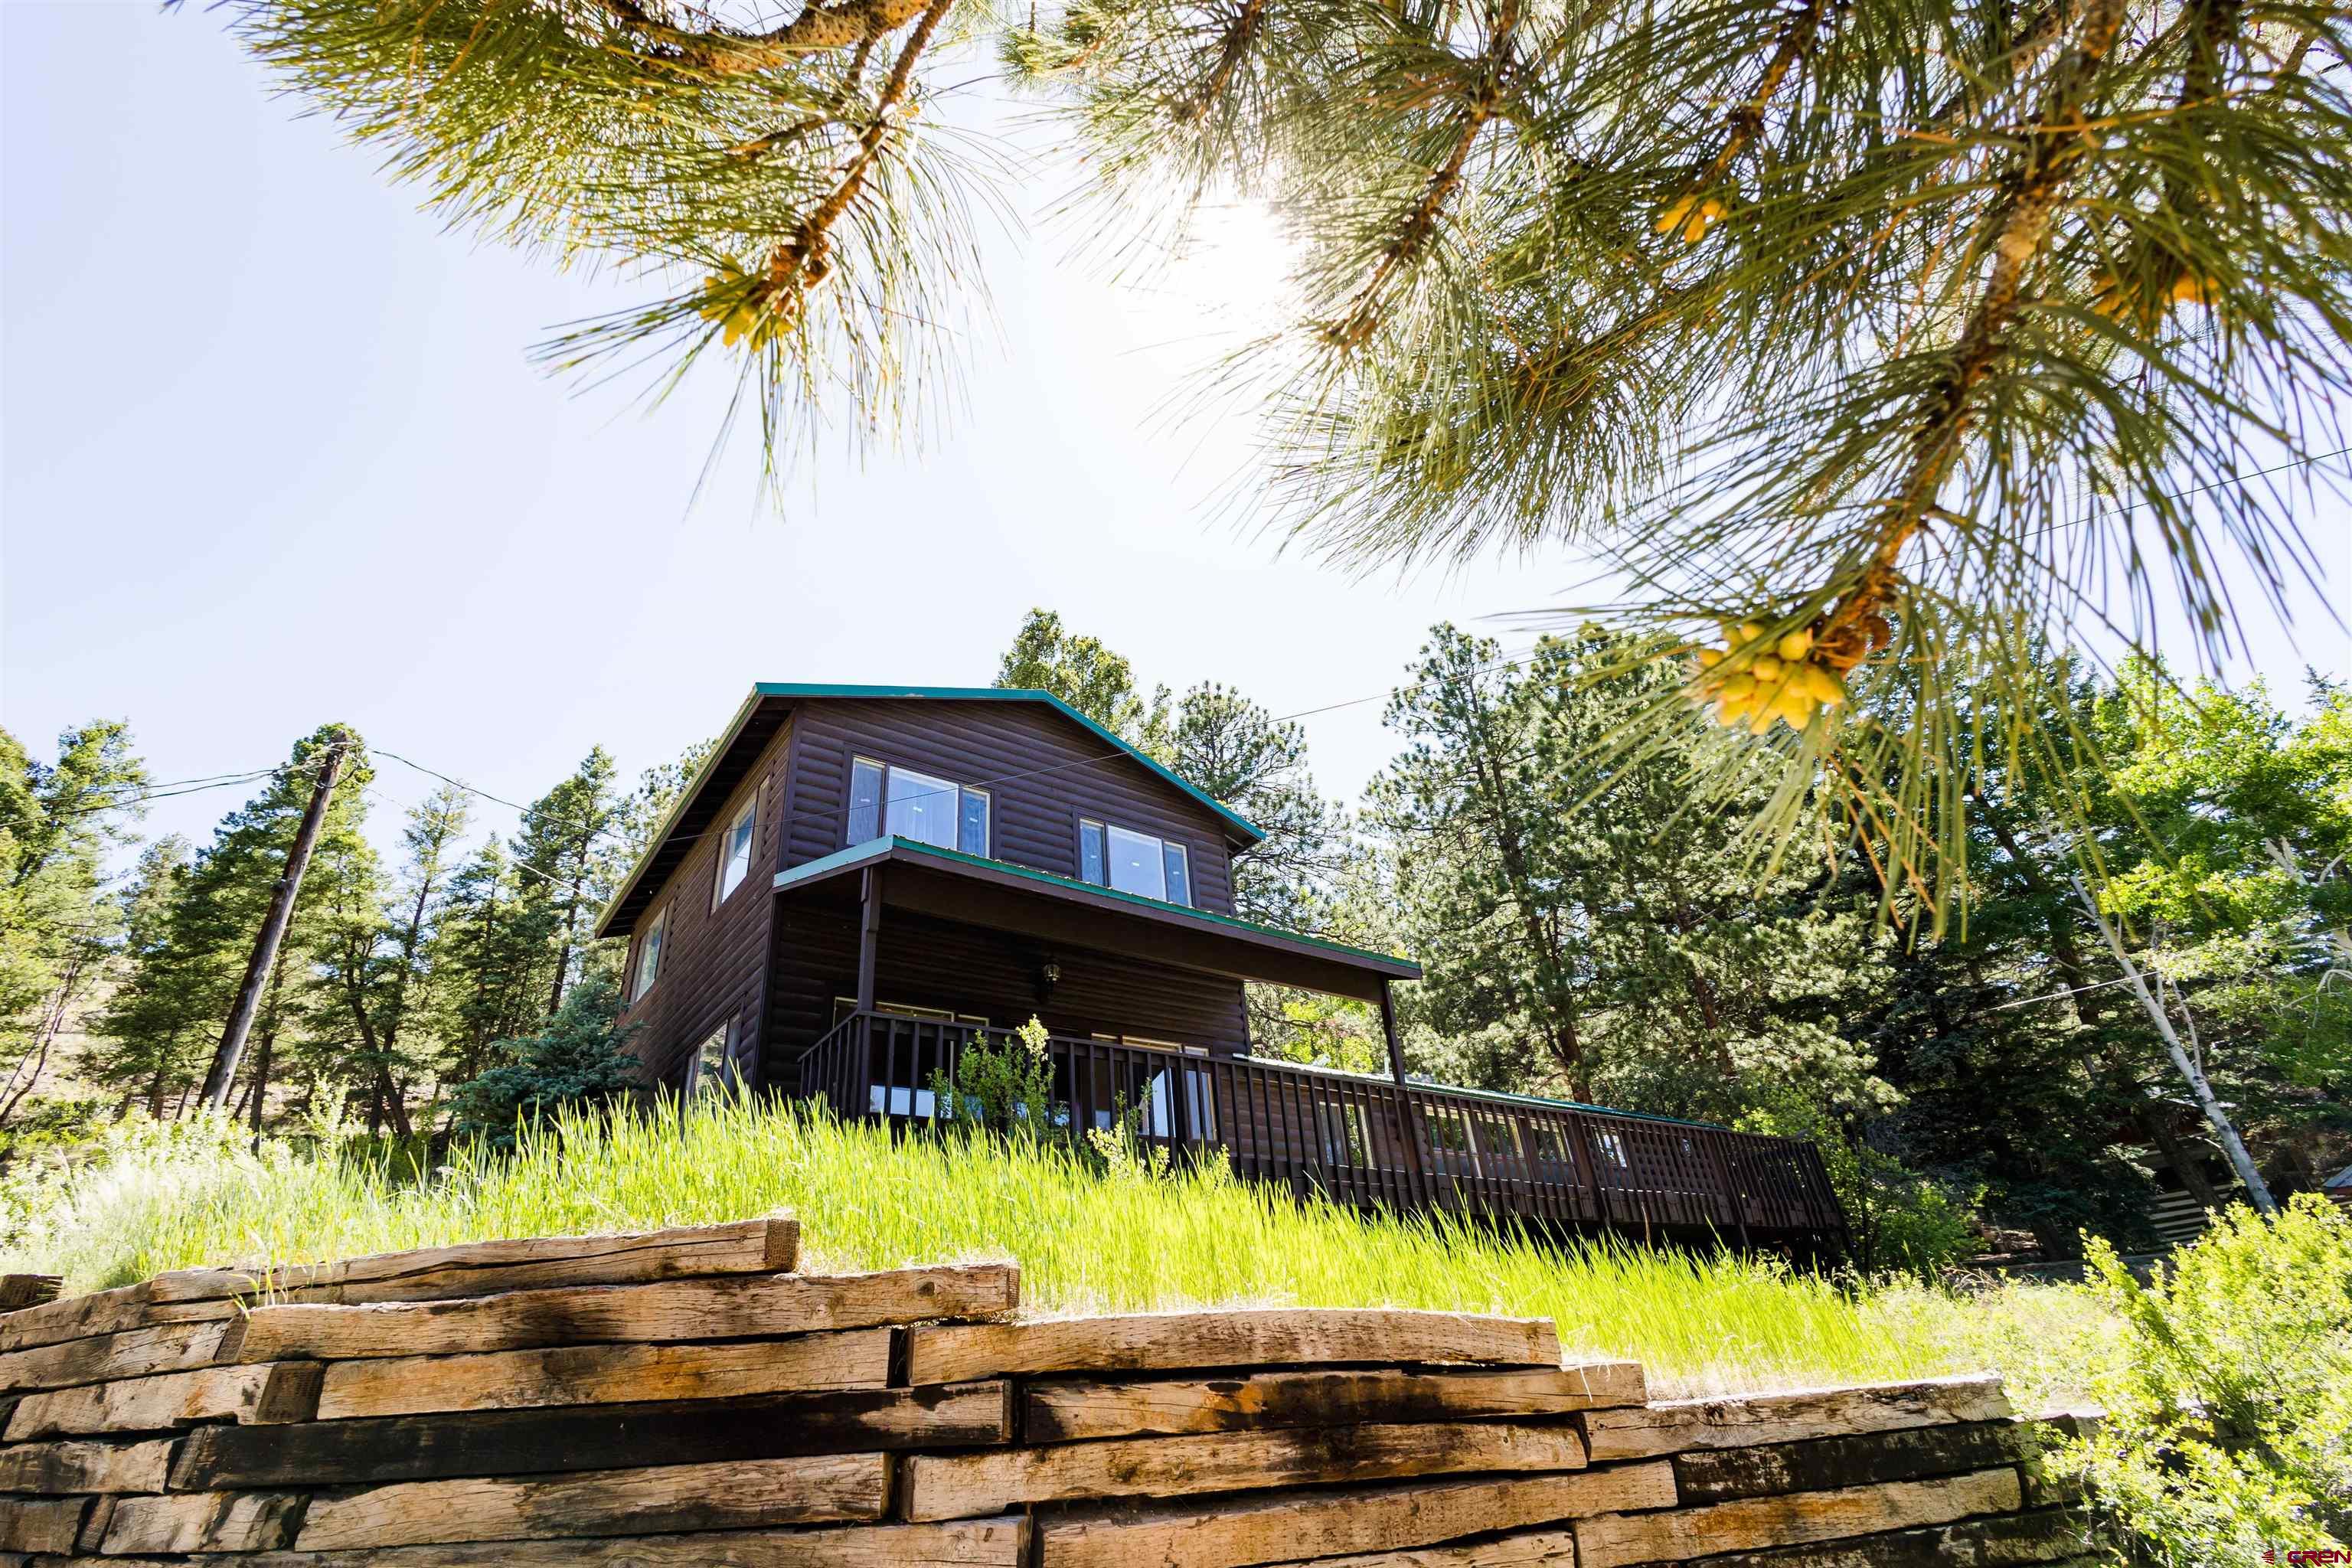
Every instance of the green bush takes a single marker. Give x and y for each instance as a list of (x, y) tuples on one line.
[(1005, 1087), (1903, 1222), (578, 1058), (2229, 1406)]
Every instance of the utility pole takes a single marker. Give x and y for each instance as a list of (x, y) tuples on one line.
[(2218, 1118), (273, 932)]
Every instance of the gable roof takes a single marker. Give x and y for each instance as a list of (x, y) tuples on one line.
[(1249, 832), (726, 765)]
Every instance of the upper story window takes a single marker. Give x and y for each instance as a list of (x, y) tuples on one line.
[(735, 851), (885, 798), (649, 950), (1114, 857)]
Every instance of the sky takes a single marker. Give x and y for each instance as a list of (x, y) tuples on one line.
[(272, 453)]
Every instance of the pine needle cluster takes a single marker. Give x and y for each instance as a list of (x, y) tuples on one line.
[(1914, 329)]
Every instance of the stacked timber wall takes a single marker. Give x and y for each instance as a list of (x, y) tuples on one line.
[(685, 1397)]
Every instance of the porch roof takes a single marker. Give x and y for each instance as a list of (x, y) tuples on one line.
[(956, 886)]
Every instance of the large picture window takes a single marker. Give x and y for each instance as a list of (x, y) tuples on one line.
[(1114, 857), (735, 851), (649, 950), (884, 798)]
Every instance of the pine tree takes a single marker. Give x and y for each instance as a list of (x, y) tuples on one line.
[(1880, 335), (488, 958), (1090, 678), (1608, 930), (155, 1038), (1242, 755), (374, 970), (56, 926), (177, 994), (570, 860)]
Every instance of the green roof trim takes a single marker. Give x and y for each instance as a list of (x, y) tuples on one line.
[(878, 849), (1233, 819), (686, 797), (762, 690)]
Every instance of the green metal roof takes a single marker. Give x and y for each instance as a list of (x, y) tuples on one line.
[(875, 848), (1233, 819)]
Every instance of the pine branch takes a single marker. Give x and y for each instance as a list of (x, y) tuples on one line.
[(1366, 312), (817, 28), (805, 260), (1248, 22), (2054, 144)]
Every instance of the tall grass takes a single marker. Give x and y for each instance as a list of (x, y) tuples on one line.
[(1087, 1240)]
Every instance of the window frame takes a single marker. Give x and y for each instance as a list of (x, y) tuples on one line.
[(650, 941), (697, 1079), (965, 795), (747, 819), (1105, 829)]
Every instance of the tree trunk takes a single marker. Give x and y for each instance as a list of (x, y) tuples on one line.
[(2219, 1120), (268, 1047)]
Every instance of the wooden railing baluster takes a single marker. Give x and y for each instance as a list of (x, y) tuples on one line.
[(1351, 1137)]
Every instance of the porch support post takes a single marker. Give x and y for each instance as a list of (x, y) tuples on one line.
[(869, 933), (1408, 1124)]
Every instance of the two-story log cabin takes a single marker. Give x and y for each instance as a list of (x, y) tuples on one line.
[(862, 878)]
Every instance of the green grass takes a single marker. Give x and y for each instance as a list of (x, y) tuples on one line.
[(158, 1198)]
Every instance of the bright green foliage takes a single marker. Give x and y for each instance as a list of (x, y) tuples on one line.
[(1088, 1239), (2228, 1433), (1006, 1088), (579, 1058), (1903, 1222), (2233, 868), (1086, 675), (57, 822)]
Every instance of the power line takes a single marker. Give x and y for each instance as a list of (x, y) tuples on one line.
[(445, 778), (2216, 485)]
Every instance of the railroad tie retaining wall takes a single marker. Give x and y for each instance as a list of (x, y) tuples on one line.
[(685, 1397)]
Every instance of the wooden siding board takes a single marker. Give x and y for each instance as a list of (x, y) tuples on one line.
[(927, 963), (1063, 773), (713, 964)]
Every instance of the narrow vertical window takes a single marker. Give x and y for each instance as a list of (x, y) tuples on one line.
[(865, 800), (1091, 855), (714, 1065), (972, 827), (735, 851), (649, 949), (1180, 874)]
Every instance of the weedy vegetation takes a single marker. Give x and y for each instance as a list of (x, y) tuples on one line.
[(1091, 1233)]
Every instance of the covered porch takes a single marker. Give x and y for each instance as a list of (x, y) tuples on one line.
[(1368, 1142)]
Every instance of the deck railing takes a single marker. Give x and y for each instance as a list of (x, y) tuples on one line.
[(1363, 1143)]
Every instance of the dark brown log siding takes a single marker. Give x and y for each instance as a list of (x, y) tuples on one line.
[(713, 964), (1062, 774), (927, 962), (1033, 817)]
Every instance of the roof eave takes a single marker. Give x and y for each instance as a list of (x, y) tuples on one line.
[(890, 847), (679, 807)]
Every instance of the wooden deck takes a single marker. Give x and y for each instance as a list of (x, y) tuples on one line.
[(1362, 1141)]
